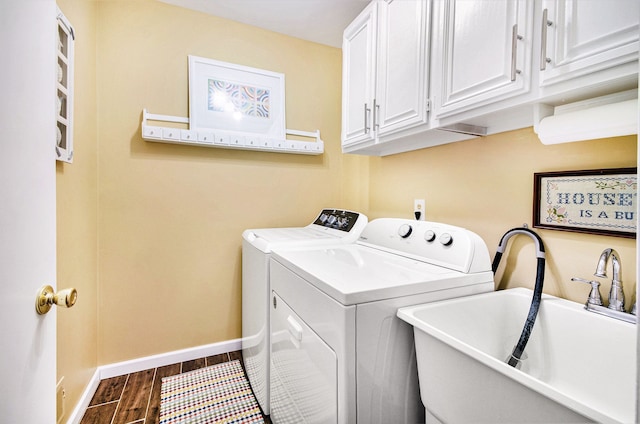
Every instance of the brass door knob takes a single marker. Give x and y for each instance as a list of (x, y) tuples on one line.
[(46, 298)]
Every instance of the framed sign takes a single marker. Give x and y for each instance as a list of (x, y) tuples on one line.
[(230, 97), (594, 201)]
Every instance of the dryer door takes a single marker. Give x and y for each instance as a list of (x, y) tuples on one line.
[(304, 384)]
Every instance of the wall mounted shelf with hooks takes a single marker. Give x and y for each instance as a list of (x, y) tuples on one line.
[(226, 139)]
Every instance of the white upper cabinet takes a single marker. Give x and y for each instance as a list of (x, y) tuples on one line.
[(483, 53), (583, 37), (385, 72), (401, 78), (493, 61), (478, 67), (358, 77)]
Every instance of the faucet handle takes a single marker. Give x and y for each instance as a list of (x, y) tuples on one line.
[(594, 296)]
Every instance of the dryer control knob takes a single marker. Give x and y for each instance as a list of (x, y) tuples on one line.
[(429, 236), (405, 230), (446, 239)]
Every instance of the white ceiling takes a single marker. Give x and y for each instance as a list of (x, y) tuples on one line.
[(320, 21)]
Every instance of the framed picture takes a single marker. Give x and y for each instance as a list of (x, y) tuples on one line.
[(235, 98), (594, 201)]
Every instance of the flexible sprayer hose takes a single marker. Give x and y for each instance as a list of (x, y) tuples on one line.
[(537, 291)]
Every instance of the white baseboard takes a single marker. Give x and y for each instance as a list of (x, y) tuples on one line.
[(85, 399), (145, 363), (155, 361)]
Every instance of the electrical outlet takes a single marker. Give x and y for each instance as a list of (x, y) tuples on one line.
[(60, 397), (419, 209)]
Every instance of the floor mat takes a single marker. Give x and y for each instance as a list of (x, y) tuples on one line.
[(216, 394)]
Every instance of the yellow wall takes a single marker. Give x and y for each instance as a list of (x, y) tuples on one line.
[(486, 185), (171, 217), (150, 233), (77, 201)]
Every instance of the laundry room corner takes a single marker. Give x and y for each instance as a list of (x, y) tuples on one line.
[(171, 216), (486, 185), (296, 194)]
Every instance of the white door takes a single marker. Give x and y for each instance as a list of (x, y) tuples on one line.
[(483, 53), (358, 78), (587, 36), (27, 210), (402, 65)]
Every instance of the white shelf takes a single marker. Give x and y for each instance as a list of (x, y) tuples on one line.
[(64, 94), (227, 139)]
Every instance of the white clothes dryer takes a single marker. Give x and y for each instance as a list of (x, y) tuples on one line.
[(331, 227), (339, 354)]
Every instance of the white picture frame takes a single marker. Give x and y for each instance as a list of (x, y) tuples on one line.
[(235, 98)]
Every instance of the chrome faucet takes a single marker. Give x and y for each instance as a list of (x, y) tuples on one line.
[(616, 295)]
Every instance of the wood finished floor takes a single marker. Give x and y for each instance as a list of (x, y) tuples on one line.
[(135, 398)]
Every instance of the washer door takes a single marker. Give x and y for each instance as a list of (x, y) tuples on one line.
[(304, 383)]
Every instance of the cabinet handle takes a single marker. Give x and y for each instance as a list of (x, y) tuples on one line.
[(543, 44), (514, 52), (376, 115), (366, 119)]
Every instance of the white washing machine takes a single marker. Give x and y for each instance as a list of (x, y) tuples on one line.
[(331, 227), (339, 354)]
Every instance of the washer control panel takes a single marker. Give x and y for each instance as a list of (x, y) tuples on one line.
[(440, 244), (405, 231)]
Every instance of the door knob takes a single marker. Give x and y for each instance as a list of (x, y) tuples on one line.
[(46, 298)]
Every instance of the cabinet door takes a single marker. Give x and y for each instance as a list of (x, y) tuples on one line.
[(358, 77), (485, 52), (586, 36), (402, 73)]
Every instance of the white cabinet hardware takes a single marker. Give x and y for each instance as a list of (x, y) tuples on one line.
[(514, 52), (546, 23)]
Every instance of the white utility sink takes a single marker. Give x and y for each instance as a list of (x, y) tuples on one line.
[(579, 366)]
